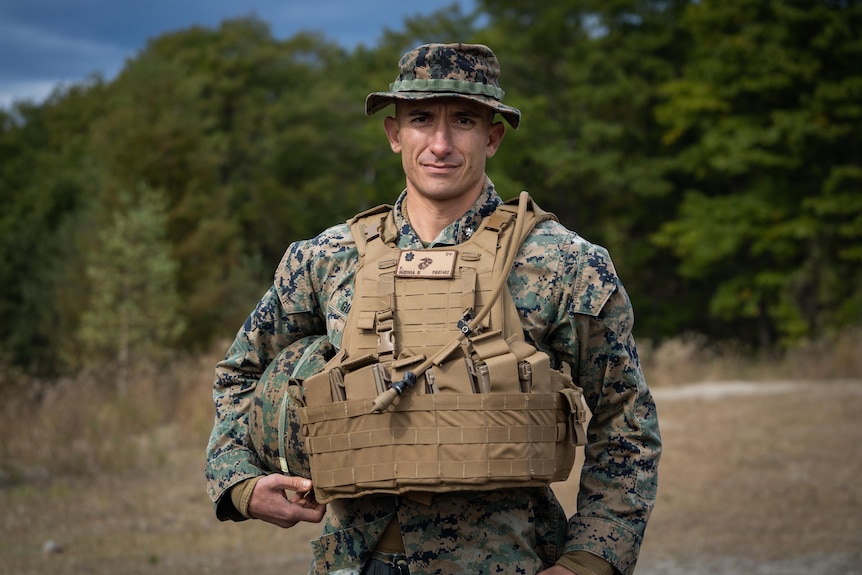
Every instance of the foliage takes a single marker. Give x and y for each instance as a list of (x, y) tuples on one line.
[(45, 177), (586, 75), (132, 314), (713, 147), (764, 124)]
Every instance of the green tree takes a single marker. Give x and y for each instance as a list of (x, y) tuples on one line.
[(46, 174), (587, 75), (132, 313), (253, 142), (766, 131), (713, 147)]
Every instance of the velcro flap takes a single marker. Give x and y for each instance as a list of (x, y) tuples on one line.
[(577, 414), (490, 344), (366, 320)]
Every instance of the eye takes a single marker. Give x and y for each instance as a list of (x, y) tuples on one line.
[(465, 121)]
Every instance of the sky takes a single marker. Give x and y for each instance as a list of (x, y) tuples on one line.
[(45, 43)]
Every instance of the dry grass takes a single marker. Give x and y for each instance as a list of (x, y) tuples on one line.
[(82, 427), (750, 481), (688, 359)]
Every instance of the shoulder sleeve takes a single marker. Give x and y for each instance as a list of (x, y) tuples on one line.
[(230, 456), (288, 311), (592, 330), (307, 269), (595, 280)]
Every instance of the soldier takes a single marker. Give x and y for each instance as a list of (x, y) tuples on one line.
[(571, 309)]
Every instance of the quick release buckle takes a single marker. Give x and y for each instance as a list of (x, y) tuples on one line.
[(464, 322)]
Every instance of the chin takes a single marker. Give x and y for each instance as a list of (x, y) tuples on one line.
[(443, 195)]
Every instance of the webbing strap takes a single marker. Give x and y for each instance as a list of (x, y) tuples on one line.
[(437, 402), (362, 233), (468, 290), (434, 472), (498, 221), (385, 318), (282, 432), (417, 436)]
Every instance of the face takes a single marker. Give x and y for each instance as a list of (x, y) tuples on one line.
[(444, 144)]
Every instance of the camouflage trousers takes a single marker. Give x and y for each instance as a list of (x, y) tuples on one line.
[(503, 531), (386, 565)]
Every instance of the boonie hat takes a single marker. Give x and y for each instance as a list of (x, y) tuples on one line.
[(444, 70)]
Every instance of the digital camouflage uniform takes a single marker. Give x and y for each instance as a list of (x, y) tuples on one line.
[(572, 306)]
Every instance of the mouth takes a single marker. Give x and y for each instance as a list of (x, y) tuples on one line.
[(440, 168)]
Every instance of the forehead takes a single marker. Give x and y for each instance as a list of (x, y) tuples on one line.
[(452, 105)]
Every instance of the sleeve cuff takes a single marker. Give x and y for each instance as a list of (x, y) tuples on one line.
[(223, 473), (606, 539), (585, 563), (240, 495)]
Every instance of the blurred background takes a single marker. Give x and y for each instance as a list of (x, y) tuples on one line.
[(156, 161)]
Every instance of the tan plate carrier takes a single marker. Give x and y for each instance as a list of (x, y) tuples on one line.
[(488, 412)]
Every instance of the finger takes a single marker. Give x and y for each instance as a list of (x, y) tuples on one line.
[(303, 497), (311, 505), (277, 509), (312, 514), (289, 483), (306, 500)]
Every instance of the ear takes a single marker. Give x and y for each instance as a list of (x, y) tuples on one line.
[(496, 132), (392, 129)]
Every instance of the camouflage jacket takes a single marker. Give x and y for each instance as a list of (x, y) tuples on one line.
[(578, 313)]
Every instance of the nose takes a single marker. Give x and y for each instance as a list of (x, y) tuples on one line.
[(441, 140)]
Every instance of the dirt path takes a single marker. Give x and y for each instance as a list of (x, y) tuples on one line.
[(755, 479), (758, 478)]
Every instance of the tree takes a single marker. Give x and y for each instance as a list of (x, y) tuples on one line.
[(46, 176), (253, 142), (766, 131), (713, 147), (133, 310), (587, 75)]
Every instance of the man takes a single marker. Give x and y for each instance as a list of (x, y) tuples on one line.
[(571, 306)]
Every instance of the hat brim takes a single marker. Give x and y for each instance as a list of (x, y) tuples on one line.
[(376, 101)]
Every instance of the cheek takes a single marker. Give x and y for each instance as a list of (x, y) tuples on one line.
[(410, 150)]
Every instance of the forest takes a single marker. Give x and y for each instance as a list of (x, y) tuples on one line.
[(713, 146)]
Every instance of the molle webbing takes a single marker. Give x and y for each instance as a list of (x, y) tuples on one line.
[(439, 442), (428, 311), (489, 413)]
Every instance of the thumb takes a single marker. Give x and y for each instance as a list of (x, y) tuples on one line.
[(290, 482)]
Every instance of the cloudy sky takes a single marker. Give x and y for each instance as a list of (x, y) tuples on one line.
[(47, 42)]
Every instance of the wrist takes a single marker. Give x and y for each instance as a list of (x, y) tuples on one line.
[(585, 563), (240, 495)]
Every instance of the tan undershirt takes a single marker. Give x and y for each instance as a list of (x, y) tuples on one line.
[(391, 540)]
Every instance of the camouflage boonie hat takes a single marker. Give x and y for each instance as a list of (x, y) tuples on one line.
[(444, 70)]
